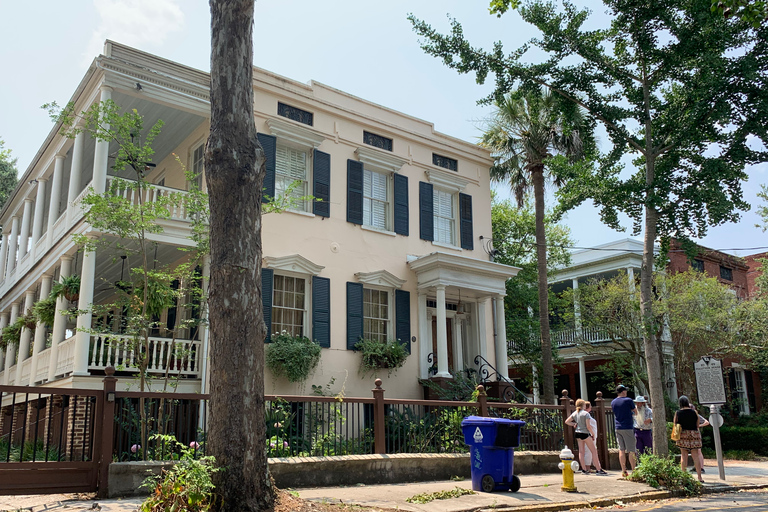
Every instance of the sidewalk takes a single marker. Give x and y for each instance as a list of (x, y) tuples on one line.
[(538, 493)]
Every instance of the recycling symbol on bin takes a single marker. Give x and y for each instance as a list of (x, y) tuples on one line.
[(478, 435)]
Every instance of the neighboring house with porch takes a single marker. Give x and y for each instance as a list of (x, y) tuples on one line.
[(580, 367), (391, 251)]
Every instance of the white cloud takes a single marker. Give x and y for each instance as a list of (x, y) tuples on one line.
[(145, 24)]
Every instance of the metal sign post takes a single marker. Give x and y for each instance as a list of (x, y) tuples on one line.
[(711, 390)]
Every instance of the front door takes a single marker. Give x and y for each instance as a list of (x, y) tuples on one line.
[(449, 339)]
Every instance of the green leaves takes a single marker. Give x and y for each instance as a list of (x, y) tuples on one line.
[(292, 357)]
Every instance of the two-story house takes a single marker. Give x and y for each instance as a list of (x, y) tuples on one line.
[(391, 250)]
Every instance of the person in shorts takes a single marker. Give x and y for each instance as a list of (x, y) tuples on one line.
[(623, 412)]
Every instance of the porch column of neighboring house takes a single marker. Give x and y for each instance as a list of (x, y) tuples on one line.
[(482, 332), (60, 322), (75, 173), (583, 390), (204, 384), (536, 394), (26, 219), (85, 304), (502, 361), (425, 344), (26, 336), (37, 226), (3, 253), (631, 279), (10, 349), (40, 332), (3, 325), (576, 306), (101, 154), (458, 354), (442, 334), (12, 246)]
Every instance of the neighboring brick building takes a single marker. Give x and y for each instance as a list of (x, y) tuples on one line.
[(728, 269), (755, 269)]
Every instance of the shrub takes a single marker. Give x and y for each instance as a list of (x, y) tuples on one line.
[(664, 472), (739, 439), (185, 487), (381, 355), (293, 357)]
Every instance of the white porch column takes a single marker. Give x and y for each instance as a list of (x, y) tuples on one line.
[(3, 253), (26, 336), (576, 306), (37, 226), (53, 205), (13, 245), (583, 379), (75, 175), (631, 279), (458, 353), (26, 219), (204, 377), (83, 337), (40, 332), (3, 325), (482, 330), (425, 343), (10, 350), (101, 154), (536, 394), (442, 335), (502, 361), (60, 322)]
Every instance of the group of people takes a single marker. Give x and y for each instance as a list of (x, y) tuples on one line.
[(634, 432)]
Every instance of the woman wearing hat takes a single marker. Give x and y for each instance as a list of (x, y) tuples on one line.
[(643, 420)]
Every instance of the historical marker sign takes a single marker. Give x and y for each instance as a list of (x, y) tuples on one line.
[(709, 381)]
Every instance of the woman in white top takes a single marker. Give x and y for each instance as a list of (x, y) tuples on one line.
[(584, 435)]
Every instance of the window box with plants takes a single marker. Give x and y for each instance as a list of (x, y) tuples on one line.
[(292, 357), (381, 355)]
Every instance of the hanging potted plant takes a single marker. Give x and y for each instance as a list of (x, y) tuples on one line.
[(161, 294), (29, 320), (69, 287), (45, 310), (12, 333)]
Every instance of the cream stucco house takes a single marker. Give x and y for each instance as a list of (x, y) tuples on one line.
[(392, 251)]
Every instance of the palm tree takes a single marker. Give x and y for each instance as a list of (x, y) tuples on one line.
[(526, 129)]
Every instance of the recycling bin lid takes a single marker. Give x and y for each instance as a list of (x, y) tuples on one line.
[(482, 420)]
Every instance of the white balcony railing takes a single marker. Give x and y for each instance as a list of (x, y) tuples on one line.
[(26, 366), (165, 354), (43, 362), (66, 359), (150, 195)]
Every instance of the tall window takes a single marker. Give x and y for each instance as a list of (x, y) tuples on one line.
[(445, 217), (197, 164), (375, 314), (291, 166), (289, 305), (740, 391), (375, 199)]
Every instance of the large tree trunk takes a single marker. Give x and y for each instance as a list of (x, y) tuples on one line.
[(234, 168), (652, 355), (548, 373)]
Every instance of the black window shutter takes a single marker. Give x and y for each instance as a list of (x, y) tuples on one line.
[(321, 311), (321, 172), (267, 277), (401, 204), (354, 314), (354, 192), (465, 214), (269, 145), (426, 212), (403, 318)]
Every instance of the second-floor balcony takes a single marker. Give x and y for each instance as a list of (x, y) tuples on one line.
[(570, 337)]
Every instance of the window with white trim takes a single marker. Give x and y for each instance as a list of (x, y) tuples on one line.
[(741, 391), (198, 156), (444, 212), (292, 165), (376, 199), (376, 315), (289, 305)]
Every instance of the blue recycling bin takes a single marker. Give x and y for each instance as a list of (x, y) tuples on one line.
[(492, 443)]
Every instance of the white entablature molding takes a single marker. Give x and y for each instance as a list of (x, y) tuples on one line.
[(293, 263), (380, 278), (449, 182), (293, 133), (379, 160)]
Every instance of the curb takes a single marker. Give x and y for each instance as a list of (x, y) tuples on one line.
[(608, 501)]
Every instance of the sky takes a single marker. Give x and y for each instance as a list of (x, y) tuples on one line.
[(355, 46)]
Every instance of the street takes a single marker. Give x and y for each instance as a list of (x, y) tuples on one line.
[(743, 501)]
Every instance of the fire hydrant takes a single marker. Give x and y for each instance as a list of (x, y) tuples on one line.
[(568, 467)]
